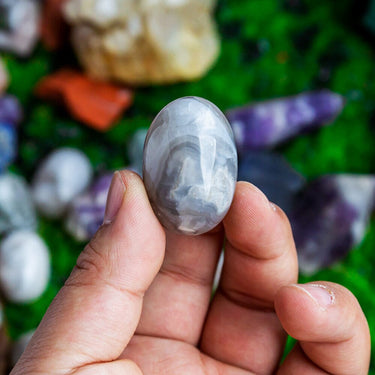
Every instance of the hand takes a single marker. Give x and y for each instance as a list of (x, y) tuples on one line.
[(139, 301)]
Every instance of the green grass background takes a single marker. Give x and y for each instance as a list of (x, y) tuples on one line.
[(268, 50)]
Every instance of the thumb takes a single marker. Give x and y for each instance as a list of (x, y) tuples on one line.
[(95, 314)]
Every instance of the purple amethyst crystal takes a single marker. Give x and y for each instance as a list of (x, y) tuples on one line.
[(266, 124), (10, 110), (330, 218), (8, 145), (272, 174), (87, 210)]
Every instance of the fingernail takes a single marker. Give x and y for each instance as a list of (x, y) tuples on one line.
[(114, 199), (323, 296), (273, 206)]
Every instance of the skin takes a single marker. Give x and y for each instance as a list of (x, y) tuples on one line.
[(139, 300)]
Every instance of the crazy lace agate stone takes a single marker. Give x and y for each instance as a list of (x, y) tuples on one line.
[(267, 124), (330, 218), (190, 166), (16, 205)]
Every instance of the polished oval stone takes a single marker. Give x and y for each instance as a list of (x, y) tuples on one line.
[(190, 165), (24, 266), (62, 176), (17, 210)]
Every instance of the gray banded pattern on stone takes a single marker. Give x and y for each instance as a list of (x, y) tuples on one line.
[(190, 165)]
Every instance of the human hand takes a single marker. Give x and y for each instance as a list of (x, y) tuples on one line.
[(139, 301)]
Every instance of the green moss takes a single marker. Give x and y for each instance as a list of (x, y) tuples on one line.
[(268, 50)]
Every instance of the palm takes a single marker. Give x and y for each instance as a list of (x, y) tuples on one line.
[(171, 357), (237, 329)]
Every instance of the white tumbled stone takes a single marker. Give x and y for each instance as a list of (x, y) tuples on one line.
[(62, 176), (22, 26), (24, 266), (17, 210)]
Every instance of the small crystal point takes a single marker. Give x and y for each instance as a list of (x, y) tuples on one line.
[(269, 123)]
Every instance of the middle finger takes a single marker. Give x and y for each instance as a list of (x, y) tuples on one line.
[(242, 328)]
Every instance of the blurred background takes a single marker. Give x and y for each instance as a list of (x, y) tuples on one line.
[(88, 79)]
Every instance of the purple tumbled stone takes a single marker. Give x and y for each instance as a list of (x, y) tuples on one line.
[(86, 213), (267, 124), (8, 145), (10, 110), (272, 174), (330, 218)]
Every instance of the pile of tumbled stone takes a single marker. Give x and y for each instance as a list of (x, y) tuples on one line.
[(24, 257), (60, 189), (55, 192), (329, 215)]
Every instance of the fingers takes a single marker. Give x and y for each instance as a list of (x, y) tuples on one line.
[(242, 328), (117, 367), (176, 304), (95, 314), (331, 327), (297, 363)]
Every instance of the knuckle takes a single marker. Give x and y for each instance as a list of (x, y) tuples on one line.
[(90, 266)]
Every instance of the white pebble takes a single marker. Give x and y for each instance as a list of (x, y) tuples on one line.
[(16, 206), (24, 266), (62, 176)]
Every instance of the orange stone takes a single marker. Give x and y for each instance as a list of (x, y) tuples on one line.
[(54, 29), (96, 104)]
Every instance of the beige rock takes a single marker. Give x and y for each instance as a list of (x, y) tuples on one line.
[(142, 42), (4, 78)]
